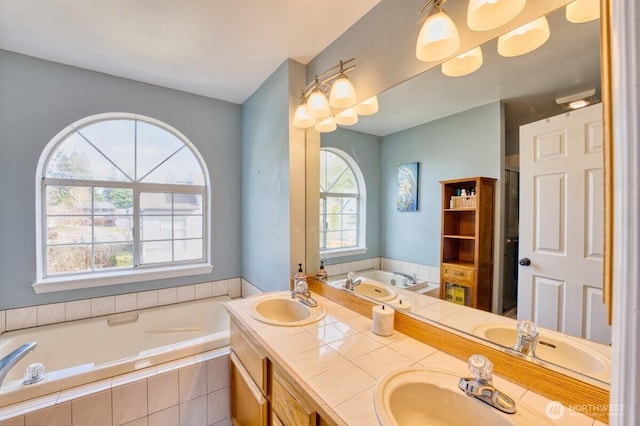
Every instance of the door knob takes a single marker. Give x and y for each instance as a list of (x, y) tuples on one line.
[(524, 261)]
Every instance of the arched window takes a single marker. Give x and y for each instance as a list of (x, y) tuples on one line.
[(121, 198), (342, 205)]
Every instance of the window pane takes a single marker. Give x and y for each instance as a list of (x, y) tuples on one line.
[(156, 251), (155, 228), (68, 200), (68, 229), (349, 239), (155, 203), (75, 158), (154, 145), (182, 168), (116, 140), (187, 203), (349, 222), (333, 222), (112, 228), (113, 256), (333, 240), (188, 249), (187, 227), (68, 259), (118, 199)]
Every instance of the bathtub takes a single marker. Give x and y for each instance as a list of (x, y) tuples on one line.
[(78, 352), (389, 278)]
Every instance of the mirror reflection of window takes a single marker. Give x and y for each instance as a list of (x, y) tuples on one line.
[(342, 207)]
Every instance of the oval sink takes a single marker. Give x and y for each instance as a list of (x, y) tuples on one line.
[(376, 291), (420, 396), (560, 351), (285, 311)]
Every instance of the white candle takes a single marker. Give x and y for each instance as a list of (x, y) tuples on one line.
[(382, 320)]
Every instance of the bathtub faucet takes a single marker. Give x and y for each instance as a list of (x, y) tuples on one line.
[(12, 359), (409, 279), (352, 282)]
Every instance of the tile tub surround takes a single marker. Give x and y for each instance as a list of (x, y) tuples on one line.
[(32, 316), (190, 391), (339, 361)]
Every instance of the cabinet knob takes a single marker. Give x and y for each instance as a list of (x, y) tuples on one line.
[(524, 261)]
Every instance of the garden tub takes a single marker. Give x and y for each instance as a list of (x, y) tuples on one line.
[(79, 352)]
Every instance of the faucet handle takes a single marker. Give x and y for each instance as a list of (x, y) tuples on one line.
[(527, 328), (481, 368)]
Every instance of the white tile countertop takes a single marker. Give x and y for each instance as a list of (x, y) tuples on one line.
[(341, 361)]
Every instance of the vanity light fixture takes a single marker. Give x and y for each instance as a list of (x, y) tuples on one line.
[(524, 39), (484, 15), (464, 64), (340, 107), (578, 100), (438, 37), (581, 11)]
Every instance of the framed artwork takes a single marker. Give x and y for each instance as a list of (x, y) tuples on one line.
[(408, 187)]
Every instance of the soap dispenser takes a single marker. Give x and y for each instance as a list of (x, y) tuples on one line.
[(300, 276), (322, 273)]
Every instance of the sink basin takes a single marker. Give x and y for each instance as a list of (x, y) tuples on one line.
[(421, 396), (284, 311), (376, 291), (559, 350)]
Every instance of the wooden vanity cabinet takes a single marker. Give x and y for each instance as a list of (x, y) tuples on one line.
[(466, 252), (261, 394)]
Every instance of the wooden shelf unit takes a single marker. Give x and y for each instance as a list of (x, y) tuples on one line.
[(466, 251)]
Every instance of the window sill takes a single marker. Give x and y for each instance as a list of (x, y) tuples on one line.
[(329, 254), (48, 285)]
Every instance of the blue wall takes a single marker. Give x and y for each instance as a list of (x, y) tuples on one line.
[(39, 98), (265, 182), (461, 145), (365, 151)]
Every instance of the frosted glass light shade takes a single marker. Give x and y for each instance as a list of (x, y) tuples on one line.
[(368, 107), (347, 117), (464, 64), (318, 105), (484, 15), (327, 125), (524, 39), (343, 94), (302, 119), (438, 38), (583, 11)]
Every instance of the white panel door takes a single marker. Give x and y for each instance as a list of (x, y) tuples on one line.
[(561, 223)]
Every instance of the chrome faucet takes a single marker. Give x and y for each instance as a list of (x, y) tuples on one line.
[(12, 359), (301, 289), (527, 339), (408, 279), (479, 386), (352, 282)]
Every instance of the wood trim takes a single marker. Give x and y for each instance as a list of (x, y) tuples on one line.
[(540, 379), (607, 105)]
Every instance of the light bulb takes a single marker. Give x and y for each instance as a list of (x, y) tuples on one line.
[(318, 105), (438, 37), (484, 15), (327, 125), (524, 39), (368, 106), (463, 64), (347, 117), (583, 11), (302, 119), (343, 94)]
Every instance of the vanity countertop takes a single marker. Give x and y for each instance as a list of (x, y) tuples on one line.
[(340, 361)]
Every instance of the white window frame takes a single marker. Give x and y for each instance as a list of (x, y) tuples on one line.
[(361, 248), (45, 284)]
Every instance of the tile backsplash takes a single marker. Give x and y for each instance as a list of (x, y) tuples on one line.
[(31, 316)]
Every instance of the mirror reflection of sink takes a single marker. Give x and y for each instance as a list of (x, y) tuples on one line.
[(562, 352), (284, 311), (420, 396), (376, 291)]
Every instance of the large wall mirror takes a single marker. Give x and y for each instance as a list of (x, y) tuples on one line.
[(470, 126)]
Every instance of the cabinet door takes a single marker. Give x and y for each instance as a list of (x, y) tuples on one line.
[(248, 405), (289, 408)]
